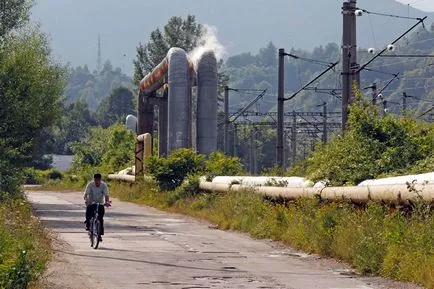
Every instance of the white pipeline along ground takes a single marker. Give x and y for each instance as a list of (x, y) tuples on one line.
[(147, 248)]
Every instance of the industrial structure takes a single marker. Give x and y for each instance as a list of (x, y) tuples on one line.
[(169, 87)]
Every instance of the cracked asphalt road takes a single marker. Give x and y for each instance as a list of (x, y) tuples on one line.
[(147, 248)]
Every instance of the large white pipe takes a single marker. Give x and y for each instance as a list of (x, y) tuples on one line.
[(289, 182), (207, 103), (427, 178), (179, 100), (392, 194), (123, 178)]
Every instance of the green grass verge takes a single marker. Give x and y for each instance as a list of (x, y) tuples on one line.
[(24, 246), (375, 239)]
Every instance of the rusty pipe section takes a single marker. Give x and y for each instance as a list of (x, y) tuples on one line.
[(391, 194), (156, 78)]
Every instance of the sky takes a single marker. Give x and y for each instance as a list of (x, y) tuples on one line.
[(73, 26), (425, 5)]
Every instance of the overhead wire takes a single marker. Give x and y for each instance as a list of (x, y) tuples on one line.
[(389, 15)]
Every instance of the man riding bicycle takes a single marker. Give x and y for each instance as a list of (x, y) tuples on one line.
[(96, 192)]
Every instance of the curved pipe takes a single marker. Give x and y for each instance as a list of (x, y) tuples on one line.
[(155, 79)]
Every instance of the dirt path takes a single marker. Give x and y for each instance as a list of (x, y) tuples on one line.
[(147, 248)]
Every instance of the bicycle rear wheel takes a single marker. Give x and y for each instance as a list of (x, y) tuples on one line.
[(96, 232)]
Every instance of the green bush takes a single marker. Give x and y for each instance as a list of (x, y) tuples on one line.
[(24, 248), (218, 164), (170, 172), (105, 150), (33, 176), (54, 174), (372, 146)]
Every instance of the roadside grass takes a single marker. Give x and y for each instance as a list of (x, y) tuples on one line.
[(375, 239), (24, 246)]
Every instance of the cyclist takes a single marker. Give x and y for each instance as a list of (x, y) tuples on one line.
[(96, 192)]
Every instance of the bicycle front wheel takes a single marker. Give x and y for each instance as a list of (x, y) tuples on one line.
[(96, 233), (91, 235)]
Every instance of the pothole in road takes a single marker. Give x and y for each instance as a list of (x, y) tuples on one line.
[(229, 268)]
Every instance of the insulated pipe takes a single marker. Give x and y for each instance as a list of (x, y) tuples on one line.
[(207, 103), (293, 182), (179, 100), (392, 194), (155, 79), (427, 178), (124, 178)]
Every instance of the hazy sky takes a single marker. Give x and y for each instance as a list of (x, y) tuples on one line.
[(425, 5), (73, 26)]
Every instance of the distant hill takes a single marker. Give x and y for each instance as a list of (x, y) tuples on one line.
[(244, 25), (92, 87), (415, 77)]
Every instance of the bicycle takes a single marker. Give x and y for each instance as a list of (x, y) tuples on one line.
[(95, 227)]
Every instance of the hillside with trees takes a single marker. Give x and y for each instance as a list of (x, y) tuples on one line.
[(415, 75), (90, 87)]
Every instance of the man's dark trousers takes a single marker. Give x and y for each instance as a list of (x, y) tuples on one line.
[(90, 210)]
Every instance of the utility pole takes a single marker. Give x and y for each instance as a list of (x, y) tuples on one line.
[(374, 93), (294, 138), (226, 124), (324, 128), (251, 155), (280, 110), (235, 151), (404, 102), (255, 162), (349, 56)]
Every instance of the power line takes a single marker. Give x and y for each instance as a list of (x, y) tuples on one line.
[(408, 55), (420, 20), (245, 89), (426, 112), (379, 71), (320, 62), (389, 15), (312, 81), (409, 88)]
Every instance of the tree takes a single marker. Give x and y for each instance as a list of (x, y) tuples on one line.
[(178, 32), (116, 107), (13, 14), (92, 87), (31, 84), (74, 125)]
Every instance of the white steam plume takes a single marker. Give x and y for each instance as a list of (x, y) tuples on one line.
[(208, 42)]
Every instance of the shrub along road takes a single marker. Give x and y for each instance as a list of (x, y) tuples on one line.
[(147, 248)]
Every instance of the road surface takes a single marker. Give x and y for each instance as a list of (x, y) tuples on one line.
[(147, 248)]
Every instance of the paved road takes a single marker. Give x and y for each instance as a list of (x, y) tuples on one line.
[(147, 248)]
